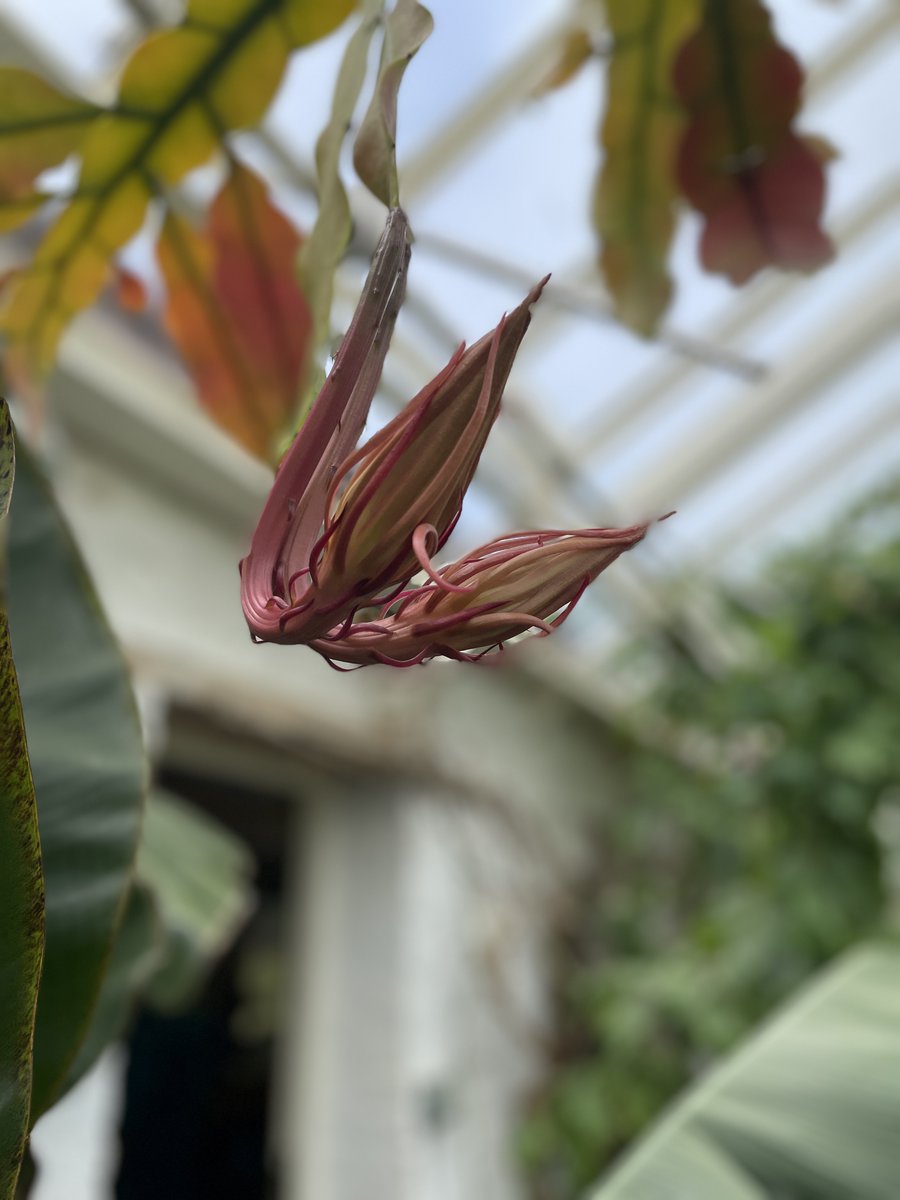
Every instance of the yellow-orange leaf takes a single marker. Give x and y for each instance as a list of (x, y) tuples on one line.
[(39, 127), (182, 90), (635, 196), (236, 312)]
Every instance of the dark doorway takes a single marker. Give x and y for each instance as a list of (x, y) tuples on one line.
[(199, 1081)]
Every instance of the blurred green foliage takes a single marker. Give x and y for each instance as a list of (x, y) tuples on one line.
[(751, 842)]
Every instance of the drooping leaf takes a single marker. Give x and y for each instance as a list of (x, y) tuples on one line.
[(136, 954), (758, 184), (331, 232), (21, 881), (39, 127), (375, 151), (636, 192), (182, 90), (810, 1106), (236, 311), (199, 874), (87, 761)]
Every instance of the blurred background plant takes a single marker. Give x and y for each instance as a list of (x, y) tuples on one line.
[(759, 836)]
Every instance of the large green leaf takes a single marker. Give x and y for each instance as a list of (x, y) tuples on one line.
[(87, 760), (21, 883), (808, 1109), (199, 874)]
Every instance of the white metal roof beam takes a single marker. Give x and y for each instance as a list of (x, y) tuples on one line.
[(699, 458), (871, 429)]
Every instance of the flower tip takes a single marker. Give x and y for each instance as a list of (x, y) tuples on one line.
[(518, 320), (535, 294)]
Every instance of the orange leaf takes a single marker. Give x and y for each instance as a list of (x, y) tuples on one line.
[(130, 290), (760, 187), (236, 312)]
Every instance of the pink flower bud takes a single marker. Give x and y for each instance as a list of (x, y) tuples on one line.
[(524, 581), (399, 496), (345, 529), (275, 575)]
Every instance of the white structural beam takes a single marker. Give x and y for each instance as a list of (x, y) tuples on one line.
[(868, 430), (812, 367)]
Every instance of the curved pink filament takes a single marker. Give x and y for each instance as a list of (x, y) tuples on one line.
[(420, 538)]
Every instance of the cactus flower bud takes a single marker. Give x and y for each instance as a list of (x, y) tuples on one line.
[(345, 529), (275, 583), (401, 494), (524, 581)]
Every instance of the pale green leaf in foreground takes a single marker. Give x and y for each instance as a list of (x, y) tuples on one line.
[(808, 1109)]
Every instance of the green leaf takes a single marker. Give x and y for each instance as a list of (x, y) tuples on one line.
[(375, 151), (328, 239), (199, 874), (21, 884), (634, 200), (87, 760), (810, 1106)]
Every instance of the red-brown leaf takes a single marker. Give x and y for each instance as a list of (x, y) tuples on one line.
[(758, 184)]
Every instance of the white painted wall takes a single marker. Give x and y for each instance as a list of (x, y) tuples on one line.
[(75, 1144)]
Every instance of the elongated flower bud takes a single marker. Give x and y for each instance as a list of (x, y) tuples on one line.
[(345, 529), (275, 574), (405, 487), (524, 581)]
